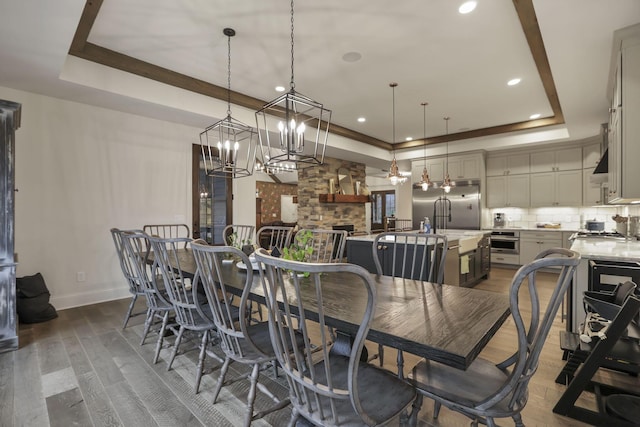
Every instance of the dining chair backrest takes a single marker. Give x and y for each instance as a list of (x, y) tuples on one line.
[(167, 231), (212, 275), (411, 255), (181, 290), (274, 236), (531, 338), (126, 264), (328, 245), (238, 235), (317, 387), (137, 247)]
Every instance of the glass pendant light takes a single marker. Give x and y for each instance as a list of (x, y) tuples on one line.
[(223, 142), (447, 184), (293, 129), (425, 182), (394, 174)]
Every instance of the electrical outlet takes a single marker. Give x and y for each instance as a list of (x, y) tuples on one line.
[(81, 276)]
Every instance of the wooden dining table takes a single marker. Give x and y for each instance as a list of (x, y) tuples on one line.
[(448, 324)]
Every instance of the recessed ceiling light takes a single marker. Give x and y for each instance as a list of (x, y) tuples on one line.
[(279, 88), (467, 7), (361, 119), (513, 82), (352, 56), (409, 138), (534, 116)]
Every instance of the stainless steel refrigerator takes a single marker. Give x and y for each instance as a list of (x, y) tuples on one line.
[(459, 209)]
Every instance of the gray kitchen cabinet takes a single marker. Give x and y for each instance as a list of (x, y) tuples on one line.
[(592, 193), (556, 188), (465, 167), (534, 242), (591, 155), (624, 121), (508, 164), (556, 160), (508, 190)]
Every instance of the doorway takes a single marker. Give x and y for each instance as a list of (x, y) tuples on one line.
[(383, 204), (211, 199)]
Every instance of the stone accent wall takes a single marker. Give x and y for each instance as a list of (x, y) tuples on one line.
[(314, 181), (270, 194)]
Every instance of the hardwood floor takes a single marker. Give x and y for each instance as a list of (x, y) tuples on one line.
[(83, 369)]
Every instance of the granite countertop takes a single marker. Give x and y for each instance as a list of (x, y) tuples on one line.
[(570, 230), (454, 236), (607, 249)]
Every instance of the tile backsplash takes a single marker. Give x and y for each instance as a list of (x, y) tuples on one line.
[(569, 218)]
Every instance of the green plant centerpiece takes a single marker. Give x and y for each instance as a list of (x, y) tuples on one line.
[(301, 249), (242, 244)]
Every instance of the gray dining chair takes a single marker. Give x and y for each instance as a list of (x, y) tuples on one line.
[(238, 235), (327, 388), (128, 270), (487, 390), (137, 247), (274, 236), (241, 340), (185, 298), (327, 245), (405, 256), (167, 231)]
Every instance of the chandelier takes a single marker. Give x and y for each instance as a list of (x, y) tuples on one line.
[(228, 146), (394, 174), (293, 129), (425, 182)]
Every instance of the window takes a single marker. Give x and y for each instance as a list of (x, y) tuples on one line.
[(383, 204)]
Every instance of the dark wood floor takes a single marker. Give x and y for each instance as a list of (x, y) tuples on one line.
[(83, 369)]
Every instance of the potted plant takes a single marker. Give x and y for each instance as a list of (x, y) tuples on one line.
[(301, 249)]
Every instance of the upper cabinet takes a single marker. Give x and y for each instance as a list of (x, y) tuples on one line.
[(468, 166), (556, 160), (591, 155), (508, 164), (624, 119), (465, 167), (508, 190), (562, 188)]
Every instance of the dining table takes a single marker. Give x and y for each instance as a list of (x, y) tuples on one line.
[(448, 324)]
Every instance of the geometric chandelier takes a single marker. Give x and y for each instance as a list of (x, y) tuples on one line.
[(228, 146), (293, 129)]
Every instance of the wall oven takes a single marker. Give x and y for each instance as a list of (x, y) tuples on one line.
[(505, 242)]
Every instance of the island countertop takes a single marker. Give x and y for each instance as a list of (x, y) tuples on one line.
[(453, 235), (607, 249)]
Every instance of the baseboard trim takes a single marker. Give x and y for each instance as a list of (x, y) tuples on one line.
[(87, 298)]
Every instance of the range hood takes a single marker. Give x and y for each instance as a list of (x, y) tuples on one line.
[(603, 164)]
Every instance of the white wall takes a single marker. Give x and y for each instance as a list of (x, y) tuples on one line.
[(81, 170)]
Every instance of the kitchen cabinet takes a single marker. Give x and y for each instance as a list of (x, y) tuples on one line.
[(499, 258), (508, 164), (435, 167), (591, 191), (624, 124), (508, 190), (464, 167), (556, 160), (534, 242), (556, 188)]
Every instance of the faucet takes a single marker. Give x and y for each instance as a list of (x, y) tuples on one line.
[(444, 203)]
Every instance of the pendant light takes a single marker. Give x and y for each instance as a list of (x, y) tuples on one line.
[(293, 129), (228, 146), (447, 184), (425, 182), (394, 174)]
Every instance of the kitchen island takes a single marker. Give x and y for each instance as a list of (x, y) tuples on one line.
[(467, 263)]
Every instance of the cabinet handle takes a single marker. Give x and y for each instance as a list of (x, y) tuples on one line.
[(612, 110)]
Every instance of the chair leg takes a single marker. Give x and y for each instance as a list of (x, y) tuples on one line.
[(436, 409), (147, 324), (201, 357), (518, 420), (176, 345), (252, 394), (130, 310), (223, 373), (381, 354), (294, 417), (490, 422), (400, 362), (165, 320)]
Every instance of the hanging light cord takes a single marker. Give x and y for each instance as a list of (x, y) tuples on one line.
[(424, 130), (393, 113), (292, 84), (446, 121), (229, 74)]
